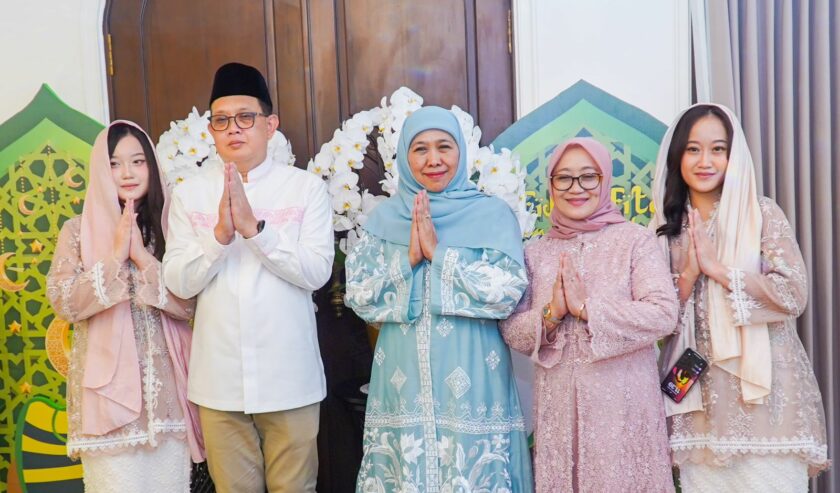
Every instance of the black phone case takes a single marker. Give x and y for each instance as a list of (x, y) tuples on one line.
[(682, 376)]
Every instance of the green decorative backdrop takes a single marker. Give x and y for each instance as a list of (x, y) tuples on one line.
[(631, 135), (44, 151)]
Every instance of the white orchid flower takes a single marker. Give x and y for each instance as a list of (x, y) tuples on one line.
[(465, 120), (350, 159), (167, 150), (481, 157), (347, 181), (323, 161), (390, 183), (348, 148), (346, 200), (346, 244), (195, 149), (340, 167), (195, 125), (280, 149), (169, 137), (341, 222), (385, 148), (318, 169), (376, 115), (406, 97), (362, 120)]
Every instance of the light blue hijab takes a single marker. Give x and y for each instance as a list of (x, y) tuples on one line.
[(463, 216)]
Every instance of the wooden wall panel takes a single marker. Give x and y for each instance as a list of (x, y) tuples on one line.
[(291, 46), (324, 59), (494, 58), (183, 47), (126, 81), (421, 45)]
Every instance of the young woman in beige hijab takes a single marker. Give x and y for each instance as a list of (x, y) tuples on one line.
[(755, 422)]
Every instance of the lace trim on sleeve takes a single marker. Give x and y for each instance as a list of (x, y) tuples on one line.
[(742, 303), (162, 297), (97, 278)]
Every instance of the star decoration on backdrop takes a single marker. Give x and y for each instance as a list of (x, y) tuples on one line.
[(37, 246), (15, 327), (26, 388)]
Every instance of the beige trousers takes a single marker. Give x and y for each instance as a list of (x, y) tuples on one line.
[(249, 453)]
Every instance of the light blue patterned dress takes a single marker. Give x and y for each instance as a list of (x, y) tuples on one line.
[(443, 414)]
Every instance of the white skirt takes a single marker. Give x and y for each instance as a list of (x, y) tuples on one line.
[(751, 473), (165, 468)]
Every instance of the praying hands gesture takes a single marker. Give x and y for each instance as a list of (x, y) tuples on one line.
[(423, 240), (128, 242), (569, 293), (235, 213), (701, 257)]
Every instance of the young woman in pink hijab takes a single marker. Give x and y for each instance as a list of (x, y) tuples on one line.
[(128, 415), (600, 296)]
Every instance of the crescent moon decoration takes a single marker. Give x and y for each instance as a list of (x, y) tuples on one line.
[(69, 181), (26, 211), (7, 284), (57, 343)]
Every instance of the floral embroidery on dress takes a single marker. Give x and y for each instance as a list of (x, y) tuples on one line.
[(791, 423), (77, 295), (429, 426), (599, 375)]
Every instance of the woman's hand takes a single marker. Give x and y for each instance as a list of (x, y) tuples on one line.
[(415, 252), (689, 267), (707, 259), (558, 296), (137, 251), (122, 238), (573, 289), (427, 235)]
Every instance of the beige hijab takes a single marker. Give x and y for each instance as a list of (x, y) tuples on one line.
[(743, 351)]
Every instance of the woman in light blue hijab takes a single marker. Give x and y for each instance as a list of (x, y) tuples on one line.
[(438, 264)]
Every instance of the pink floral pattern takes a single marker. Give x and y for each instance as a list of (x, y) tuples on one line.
[(274, 217)]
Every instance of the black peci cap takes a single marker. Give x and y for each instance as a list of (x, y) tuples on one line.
[(237, 79)]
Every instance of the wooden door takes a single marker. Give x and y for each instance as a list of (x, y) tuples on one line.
[(324, 59)]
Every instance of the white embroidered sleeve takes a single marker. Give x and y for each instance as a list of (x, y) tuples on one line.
[(742, 303), (780, 290), (381, 290), (152, 292), (77, 293), (489, 286)]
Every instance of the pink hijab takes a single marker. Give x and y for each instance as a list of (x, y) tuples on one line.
[(606, 213), (111, 388)]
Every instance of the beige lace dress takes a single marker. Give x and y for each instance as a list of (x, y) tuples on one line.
[(733, 446)]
